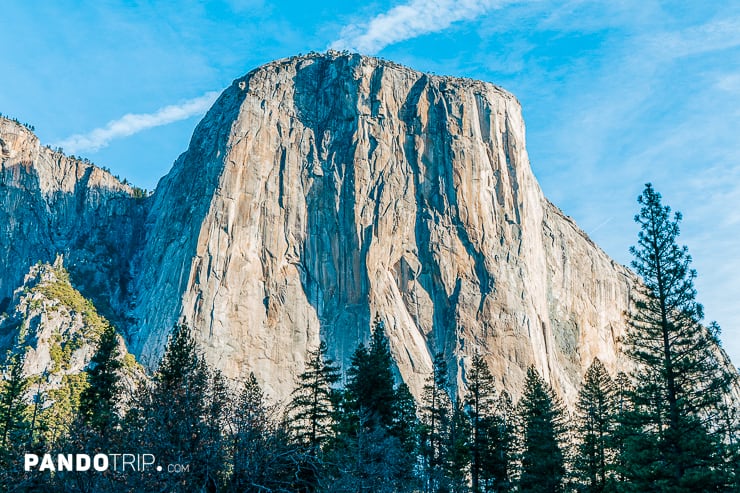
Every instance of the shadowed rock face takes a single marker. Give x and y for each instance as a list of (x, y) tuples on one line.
[(322, 190), (52, 204)]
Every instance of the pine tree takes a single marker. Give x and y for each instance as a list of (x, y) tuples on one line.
[(405, 421), (596, 422), (13, 421), (311, 408), (435, 425), (250, 428), (479, 405), (542, 417), (623, 428), (729, 427), (13, 407), (679, 381), (99, 400), (406, 430), (263, 458), (497, 461), (215, 423), (373, 450), (457, 461), (371, 383), (168, 417)]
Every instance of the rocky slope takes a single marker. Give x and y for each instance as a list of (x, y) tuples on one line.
[(319, 192), (57, 331)]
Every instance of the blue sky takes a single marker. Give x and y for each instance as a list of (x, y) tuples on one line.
[(614, 94)]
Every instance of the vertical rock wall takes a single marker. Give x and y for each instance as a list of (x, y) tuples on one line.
[(322, 190)]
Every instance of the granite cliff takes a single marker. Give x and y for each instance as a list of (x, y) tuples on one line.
[(320, 191), (53, 204), (317, 192)]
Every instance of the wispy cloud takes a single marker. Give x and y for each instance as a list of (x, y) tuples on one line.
[(697, 40), (131, 124), (408, 21)]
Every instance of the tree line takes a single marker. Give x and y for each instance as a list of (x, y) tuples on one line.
[(670, 425)]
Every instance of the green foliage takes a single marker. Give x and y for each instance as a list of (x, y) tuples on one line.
[(129, 361), (60, 406), (173, 417), (13, 408), (457, 462), (99, 400), (14, 422), (671, 445), (479, 407), (543, 426), (57, 354), (376, 437), (62, 290), (498, 457), (405, 421), (262, 457), (729, 429), (596, 424), (436, 414), (311, 407), (371, 385), (139, 193)]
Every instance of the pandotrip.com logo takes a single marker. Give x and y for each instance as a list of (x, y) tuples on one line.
[(121, 463)]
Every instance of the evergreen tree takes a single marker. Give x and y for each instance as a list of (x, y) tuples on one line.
[(263, 458), (497, 458), (623, 429), (100, 398), (542, 420), (250, 427), (479, 404), (435, 425), (94, 427), (729, 428), (678, 381), (405, 421), (311, 408), (56, 406), (371, 383), (214, 447), (373, 430), (372, 461), (596, 423), (13, 420), (13, 407), (169, 418), (457, 461)]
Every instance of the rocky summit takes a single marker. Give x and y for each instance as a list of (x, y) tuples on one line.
[(318, 193)]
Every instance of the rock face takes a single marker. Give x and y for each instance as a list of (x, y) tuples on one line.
[(320, 191), (317, 193), (52, 204)]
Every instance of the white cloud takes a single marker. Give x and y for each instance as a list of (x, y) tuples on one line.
[(408, 21), (134, 123), (697, 40)]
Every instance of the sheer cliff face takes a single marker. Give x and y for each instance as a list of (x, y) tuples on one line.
[(52, 204), (320, 191)]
